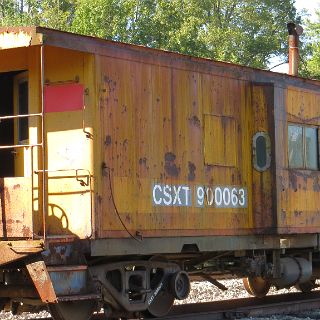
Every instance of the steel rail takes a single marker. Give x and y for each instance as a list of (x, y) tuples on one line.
[(291, 303), (247, 307)]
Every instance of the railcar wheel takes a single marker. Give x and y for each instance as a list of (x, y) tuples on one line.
[(306, 286), (256, 286), (164, 299), (161, 304), (69, 310)]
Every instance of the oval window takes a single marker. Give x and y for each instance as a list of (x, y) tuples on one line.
[(261, 151)]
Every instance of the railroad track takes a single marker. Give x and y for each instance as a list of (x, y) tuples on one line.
[(292, 303)]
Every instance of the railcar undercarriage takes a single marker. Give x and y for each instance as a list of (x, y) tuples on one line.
[(146, 285)]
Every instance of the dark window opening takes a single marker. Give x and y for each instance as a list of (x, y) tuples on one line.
[(6, 126), (303, 147), (261, 151), (23, 127), (261, 147)]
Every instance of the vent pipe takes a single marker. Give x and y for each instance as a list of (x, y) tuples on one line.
[(294, 32)]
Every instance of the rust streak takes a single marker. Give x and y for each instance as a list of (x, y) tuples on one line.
[(170, 166)]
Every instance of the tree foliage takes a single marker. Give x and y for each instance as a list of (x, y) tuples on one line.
[(312, 63), (248, 32)]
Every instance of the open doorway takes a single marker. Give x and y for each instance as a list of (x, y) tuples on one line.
[(13, 101)]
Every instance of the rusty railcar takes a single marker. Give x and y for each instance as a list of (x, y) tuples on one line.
[(126, 170)]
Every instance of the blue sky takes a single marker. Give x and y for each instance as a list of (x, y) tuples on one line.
[(310, 6)]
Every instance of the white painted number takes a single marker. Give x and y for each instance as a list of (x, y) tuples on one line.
[(234, 197), (200, 196), (218, 196), (226, 197), (213, 196), (242, 196), (210, 196), (221, 197)]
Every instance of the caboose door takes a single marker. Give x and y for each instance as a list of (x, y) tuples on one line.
[(263, 177), (16, 192)]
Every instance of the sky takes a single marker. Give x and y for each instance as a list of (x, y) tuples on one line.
[(310, 6)]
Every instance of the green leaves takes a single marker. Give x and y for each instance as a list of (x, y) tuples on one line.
[(312, 52), (50, 13), (247, 32)]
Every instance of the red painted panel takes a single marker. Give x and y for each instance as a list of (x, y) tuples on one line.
[(63, 97)]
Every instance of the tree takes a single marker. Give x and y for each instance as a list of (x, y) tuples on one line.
[(312, 63), (247, 32), (50, 13), (9, 12)]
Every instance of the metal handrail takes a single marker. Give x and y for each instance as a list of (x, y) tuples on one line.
[(21, 146), (29, 115)]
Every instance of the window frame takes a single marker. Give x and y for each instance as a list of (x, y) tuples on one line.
[(255, 154), (304, 144)]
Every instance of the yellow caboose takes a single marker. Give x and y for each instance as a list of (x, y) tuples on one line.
[(126, 170)]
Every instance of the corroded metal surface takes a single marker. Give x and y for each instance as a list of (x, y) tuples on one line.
[(15, 207), (41, 279), (183, 130), (68, 280), (171, 138), (298, 189), (13, 37), (15, 250)]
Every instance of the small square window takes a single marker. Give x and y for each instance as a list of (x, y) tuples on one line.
[(303, 147), (220, 147)]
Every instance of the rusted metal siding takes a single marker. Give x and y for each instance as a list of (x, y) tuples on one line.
[(16, 249), (298, 189), (153, 121), (42, 281), (15, 208), (264, 193), (156, 117)]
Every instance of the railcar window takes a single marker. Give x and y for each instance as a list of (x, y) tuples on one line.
[(23, 109), (303, 151), (261, 151), (311, 148)]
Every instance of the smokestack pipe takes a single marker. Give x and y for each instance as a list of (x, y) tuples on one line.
[(294, 32)]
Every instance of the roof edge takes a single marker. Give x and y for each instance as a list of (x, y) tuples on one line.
[(17, 37)]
